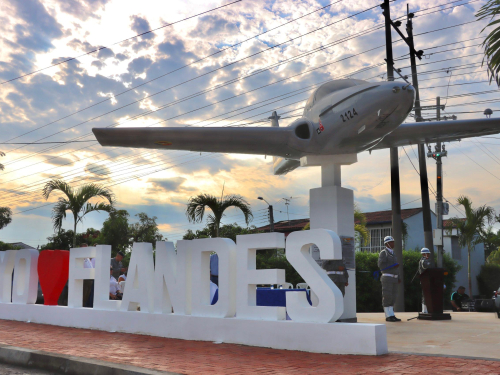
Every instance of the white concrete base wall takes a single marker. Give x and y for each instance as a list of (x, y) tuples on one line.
[(333, 338)]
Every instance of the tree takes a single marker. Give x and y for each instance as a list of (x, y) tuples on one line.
[(5, 216), (491, 43), (115, 231), (470, 228), (77, 201), (197, 205), (494, 258), (360, 230), (6, 246), (146, 230), (226, 231), (1, 165), (61, 240), (491, 240)]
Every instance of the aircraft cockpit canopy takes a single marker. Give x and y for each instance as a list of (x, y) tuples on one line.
[(329, 87)]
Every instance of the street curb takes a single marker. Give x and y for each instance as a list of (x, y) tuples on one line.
[(68, 364)]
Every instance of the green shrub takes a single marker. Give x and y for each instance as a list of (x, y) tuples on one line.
[(5, 246), (273, 259), (369, 290), (488, 279)]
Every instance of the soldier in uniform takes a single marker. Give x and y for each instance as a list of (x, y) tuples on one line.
[(389, 267), (424, 263), (337, 272)]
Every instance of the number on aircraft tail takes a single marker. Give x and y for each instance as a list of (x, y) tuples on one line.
[(349, 115)]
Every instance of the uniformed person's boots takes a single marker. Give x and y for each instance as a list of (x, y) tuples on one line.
[(389, 313)]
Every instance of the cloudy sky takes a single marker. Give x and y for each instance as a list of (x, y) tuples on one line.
[(209, 70)]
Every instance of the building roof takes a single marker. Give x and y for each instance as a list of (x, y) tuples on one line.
[(385, 217), (286, 226), (372, 218), (22, 245), (448, 222)]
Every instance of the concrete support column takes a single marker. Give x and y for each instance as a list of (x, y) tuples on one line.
[(332, 207)]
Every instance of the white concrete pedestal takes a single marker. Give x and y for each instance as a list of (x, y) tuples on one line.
[(332, 207)]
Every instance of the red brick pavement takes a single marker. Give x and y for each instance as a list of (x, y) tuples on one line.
[(197, 357)]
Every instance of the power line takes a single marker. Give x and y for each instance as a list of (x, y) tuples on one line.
[(175, 70), (217, 86), (121, 41), (349, 73), (345, 39)]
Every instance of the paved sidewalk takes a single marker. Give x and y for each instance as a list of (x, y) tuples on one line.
[(466, 334), (196, 357)]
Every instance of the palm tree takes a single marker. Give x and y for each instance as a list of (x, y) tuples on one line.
[(470, 228), (360, 225), (196, 209), (491, 43), (1, 165), (76, 201)]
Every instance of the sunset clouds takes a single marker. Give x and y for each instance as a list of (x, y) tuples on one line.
[(154, 80)]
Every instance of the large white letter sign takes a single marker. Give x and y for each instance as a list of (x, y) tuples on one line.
[(7, 260), (173, 278), (139, 290), (331, 303), (102, 277), (77, 273), (249, 276), (25, 288), (226, 304)]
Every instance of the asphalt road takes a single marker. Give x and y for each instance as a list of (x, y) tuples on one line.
[(14, 370)]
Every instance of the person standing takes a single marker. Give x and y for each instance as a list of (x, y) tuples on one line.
[(389, 267), (337, 272), (335, 269), (424, 263), (116, 264)]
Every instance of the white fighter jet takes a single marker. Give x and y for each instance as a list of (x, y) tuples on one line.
[(341, 117)]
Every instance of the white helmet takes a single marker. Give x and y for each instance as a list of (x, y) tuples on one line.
[(425, 251), (388, 239)]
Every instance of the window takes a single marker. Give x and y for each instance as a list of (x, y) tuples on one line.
[(456, 250), (376, 243)]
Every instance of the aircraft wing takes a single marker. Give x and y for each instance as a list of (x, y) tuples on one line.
[(273, 141), (443, 131)]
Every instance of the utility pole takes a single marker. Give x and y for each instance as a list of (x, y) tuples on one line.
[(395, 185), (441, 208), (439, 191), (270, 212), (287, 203), (424, 183), (271, 218)]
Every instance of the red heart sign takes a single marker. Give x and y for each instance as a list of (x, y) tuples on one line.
[(53, 270)]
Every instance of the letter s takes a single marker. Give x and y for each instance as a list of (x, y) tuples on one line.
[(331, 302)]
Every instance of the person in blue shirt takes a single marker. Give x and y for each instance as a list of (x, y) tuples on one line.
[(214, 268)]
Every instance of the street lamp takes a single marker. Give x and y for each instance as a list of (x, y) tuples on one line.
[(271, 215)]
